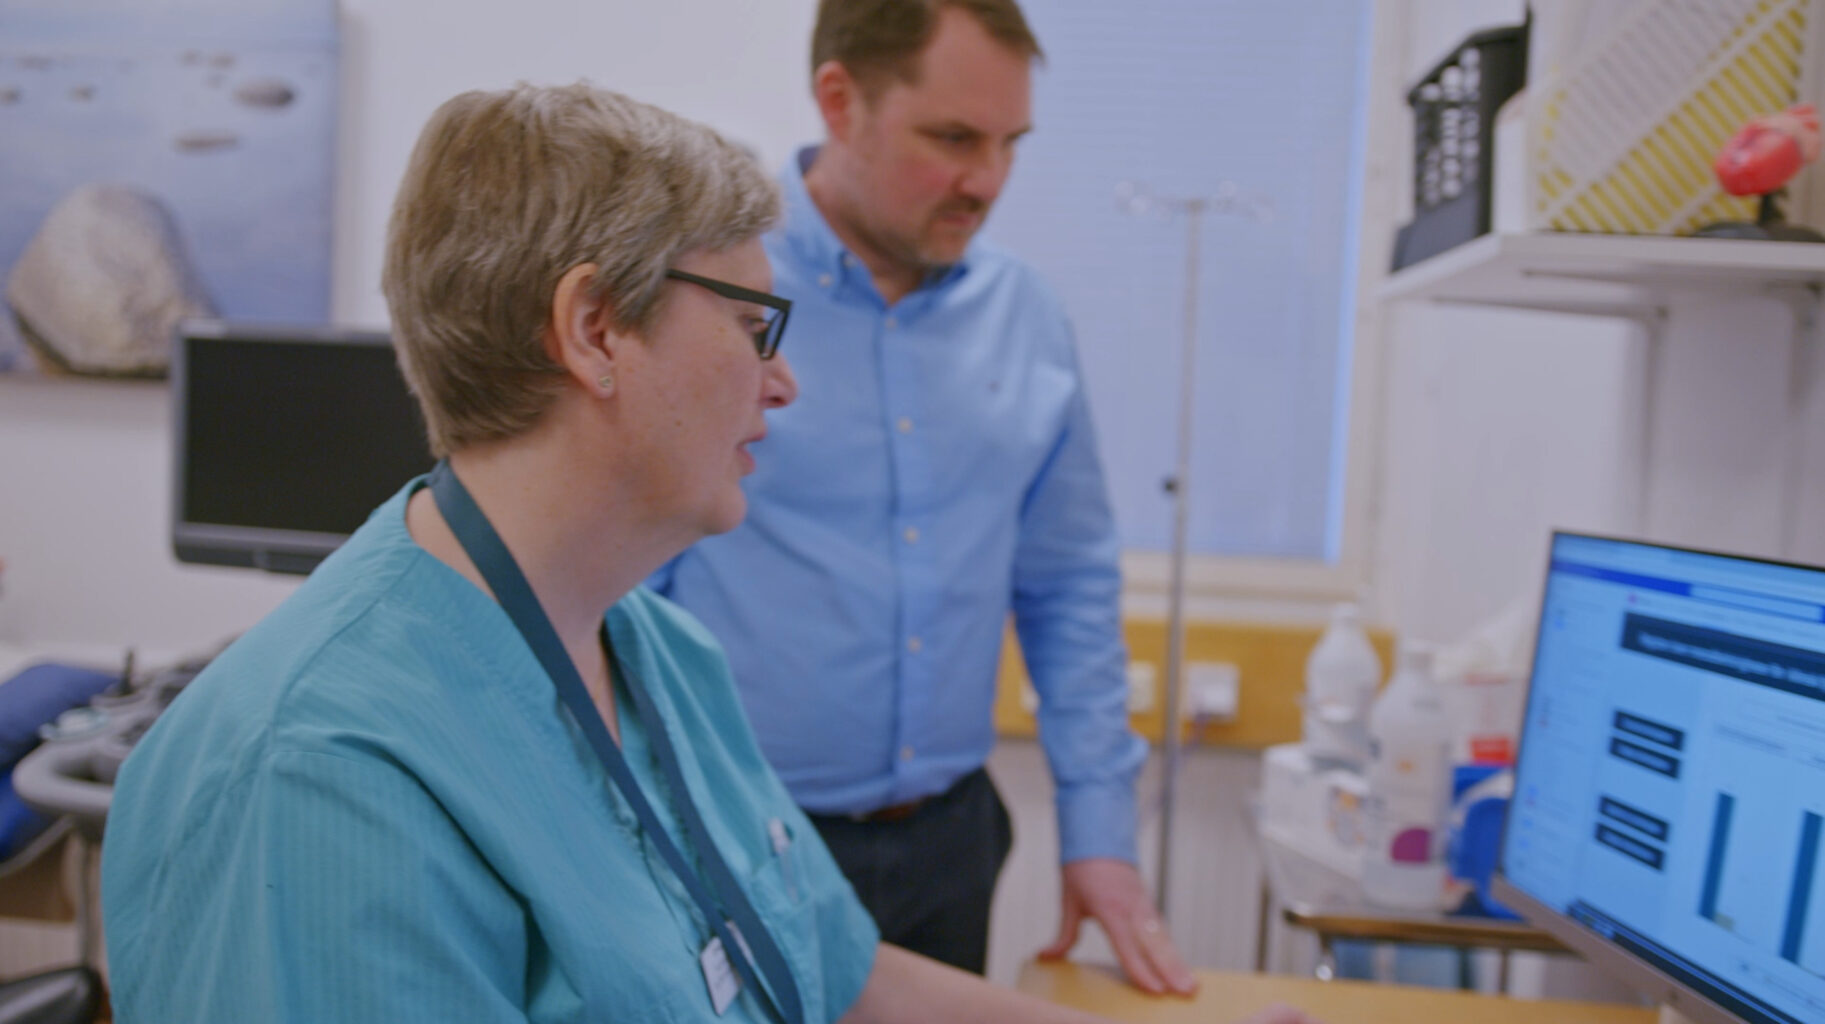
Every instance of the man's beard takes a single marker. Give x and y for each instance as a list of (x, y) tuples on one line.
[(929, 259)]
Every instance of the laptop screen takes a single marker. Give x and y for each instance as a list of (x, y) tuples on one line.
[(1670, 790)]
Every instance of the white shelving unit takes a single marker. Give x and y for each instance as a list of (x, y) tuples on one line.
[(1655, 282)]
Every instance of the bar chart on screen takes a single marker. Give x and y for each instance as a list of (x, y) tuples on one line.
[(1761, 880), (1769, 898)]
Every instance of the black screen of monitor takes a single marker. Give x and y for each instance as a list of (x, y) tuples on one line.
[(287, 441)]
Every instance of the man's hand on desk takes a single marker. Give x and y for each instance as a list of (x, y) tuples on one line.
[(1111, 891)]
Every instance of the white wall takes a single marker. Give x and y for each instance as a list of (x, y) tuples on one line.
[(740, 67), (84, 527), (1499, 426)]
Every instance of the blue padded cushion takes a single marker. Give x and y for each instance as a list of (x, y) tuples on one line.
[(36, 696), (19, 824)]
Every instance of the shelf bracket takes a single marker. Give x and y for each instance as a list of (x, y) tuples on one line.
[(1802, 388), (1650, 316)]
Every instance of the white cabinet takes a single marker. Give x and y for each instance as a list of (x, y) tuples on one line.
[(1730, 429)]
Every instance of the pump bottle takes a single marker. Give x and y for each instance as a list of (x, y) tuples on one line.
[(1340, 680), (1409, 784)]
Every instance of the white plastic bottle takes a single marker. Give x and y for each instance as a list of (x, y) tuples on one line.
[(1409, 784), (1341, 675)]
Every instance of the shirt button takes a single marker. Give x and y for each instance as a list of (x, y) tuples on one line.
[(906, 753), (914, 644), (892, 323), (823, 280), (905, 425), (911, 535), (848, 260)]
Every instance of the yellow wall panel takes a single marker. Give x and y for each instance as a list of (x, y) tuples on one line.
[(1270, 659)]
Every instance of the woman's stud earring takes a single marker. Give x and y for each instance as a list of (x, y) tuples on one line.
[(606, 382)]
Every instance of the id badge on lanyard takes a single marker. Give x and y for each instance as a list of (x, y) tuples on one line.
[(723, 982)]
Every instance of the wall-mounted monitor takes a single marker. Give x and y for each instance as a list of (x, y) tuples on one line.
[(285, 439), (1668, 819)]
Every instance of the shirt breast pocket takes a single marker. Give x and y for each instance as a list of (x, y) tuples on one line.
[(779, 872), (783, 896)]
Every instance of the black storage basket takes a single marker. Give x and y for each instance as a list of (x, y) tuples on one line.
[(1454, 110)]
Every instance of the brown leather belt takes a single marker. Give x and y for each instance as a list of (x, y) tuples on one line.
[(901, 812), (896, 812)]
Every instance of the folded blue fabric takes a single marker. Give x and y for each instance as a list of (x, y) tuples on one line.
[(37, 695), (19, 824)]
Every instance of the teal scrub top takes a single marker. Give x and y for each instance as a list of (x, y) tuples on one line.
[(374, 807)]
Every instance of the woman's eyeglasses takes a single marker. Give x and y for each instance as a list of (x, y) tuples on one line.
[(766, 339)]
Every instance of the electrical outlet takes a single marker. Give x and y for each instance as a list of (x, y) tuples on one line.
[(1213, 690), (1143, 684)]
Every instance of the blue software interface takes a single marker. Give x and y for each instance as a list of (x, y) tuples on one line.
[(1670, 793)]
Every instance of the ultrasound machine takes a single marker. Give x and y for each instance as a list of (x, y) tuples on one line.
[(1670, 786), (284, 439)]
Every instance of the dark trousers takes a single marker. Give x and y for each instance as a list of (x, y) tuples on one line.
[(928, 878)]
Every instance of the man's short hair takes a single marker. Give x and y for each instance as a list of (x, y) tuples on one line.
[(507, 191), (879, 41)]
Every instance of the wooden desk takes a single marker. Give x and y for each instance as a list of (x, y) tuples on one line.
[(1225, 996)]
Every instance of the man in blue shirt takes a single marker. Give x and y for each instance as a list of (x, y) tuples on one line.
[(938, 475)]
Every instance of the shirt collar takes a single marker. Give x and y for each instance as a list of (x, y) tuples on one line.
[(812, 241)]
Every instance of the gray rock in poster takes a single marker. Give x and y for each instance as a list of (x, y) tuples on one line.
[(264, 92), (205, 141), (12, 351), (104, 282)]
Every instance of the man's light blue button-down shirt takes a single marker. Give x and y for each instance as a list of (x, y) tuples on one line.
[(938, 472)]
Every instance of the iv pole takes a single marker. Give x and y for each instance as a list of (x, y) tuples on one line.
[(1136, 199)]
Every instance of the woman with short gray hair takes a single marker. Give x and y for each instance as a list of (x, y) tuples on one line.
[(507, 191)]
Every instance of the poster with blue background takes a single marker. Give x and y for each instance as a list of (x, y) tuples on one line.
[(160, 159)]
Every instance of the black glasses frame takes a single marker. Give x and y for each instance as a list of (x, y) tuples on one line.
[(766, 340)]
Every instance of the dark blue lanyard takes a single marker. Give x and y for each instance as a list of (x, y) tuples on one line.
[(496, 564)]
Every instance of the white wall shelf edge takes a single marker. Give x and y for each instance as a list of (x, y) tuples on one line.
[(1613, 275)]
